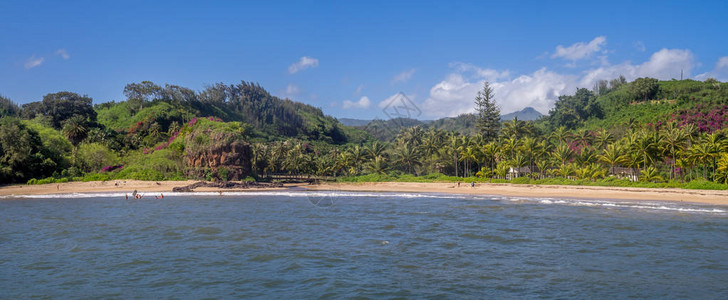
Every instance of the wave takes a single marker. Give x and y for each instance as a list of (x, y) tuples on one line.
[(631, 205), (659, 206)]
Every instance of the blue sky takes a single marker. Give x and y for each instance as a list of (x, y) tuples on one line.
[(350, 57)]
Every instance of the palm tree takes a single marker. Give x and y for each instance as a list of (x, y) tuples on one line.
[(515, 129), (357, 156), (583, 137), (530, 150), (561, 134), (673, 141), (700, 153), (490, 153), (453, 143), (378, 165), (715, 145), (650, 174), (603, 139), (612, 155), (586, 156), (646, 145), (75, 129), (562, 153), (374, 150), (468, 155), (407, 156)]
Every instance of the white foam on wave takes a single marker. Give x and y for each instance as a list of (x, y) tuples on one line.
[(661, 206), (250, 193), (627, 205)]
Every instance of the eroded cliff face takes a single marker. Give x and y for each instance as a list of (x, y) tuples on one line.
[(221, 160)]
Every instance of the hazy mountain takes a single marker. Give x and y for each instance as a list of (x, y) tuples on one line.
[(526, 114)]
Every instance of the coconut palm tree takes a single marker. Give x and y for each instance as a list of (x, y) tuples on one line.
[(378, 165), (646, 145), (612, 155), (650, 174), (490, 154), (715, 145), (562, 153), (560, 135), (407, 156), (374, 150), (673, 141), (603, 138), (75, 129)]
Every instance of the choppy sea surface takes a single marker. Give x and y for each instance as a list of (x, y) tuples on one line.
[(300, 244)]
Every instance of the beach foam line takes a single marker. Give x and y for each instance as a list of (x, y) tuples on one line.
[(250, 193), (661, 206), (630, 205)]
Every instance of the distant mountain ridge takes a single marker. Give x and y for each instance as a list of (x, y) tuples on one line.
[(526, 114)]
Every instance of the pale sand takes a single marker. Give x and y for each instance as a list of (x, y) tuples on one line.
[(533, 191), (539, 191), (121, 186)]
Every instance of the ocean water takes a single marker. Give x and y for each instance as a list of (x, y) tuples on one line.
[(345, 244)]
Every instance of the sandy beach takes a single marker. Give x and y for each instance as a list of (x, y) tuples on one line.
[(549, 191), (111, 186)]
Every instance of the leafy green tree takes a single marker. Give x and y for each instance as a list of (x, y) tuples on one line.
[(60, 107), (75, 129), (488, 113), (140, 93), (93, 157), (644, 88), (21, 153), (8, 108)]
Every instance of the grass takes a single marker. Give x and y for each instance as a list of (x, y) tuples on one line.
[(607, 182)]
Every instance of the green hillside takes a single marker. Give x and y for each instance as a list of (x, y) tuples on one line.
[(661, 133)]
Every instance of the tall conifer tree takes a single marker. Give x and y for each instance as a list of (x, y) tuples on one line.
[(488, 112)]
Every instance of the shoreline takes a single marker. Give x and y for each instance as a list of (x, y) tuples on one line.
[(714, 197)]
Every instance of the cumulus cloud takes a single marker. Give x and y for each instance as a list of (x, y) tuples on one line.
[(33, 62), (292, 90), (722, 63), (720, 71), (302, 64), (665, 64), (487, 74), (362, 103), (455, 94), (63, 54), (404, 76), (580, 50)]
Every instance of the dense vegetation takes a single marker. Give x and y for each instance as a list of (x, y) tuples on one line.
[(657, 133)]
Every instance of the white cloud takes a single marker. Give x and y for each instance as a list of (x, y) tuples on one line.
[(640, 46), (33, 62), (404, 76), (722, 63), (362, 103), (540, 89), (580, 50), (665, 64), (302, 64), (359, 89), (292, 90), (63, 53), (455, 94), (720, 72), (487, 74)]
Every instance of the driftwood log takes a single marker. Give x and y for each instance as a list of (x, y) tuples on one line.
[(225, 185)]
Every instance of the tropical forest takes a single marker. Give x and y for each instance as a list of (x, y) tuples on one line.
[(644, 133)]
